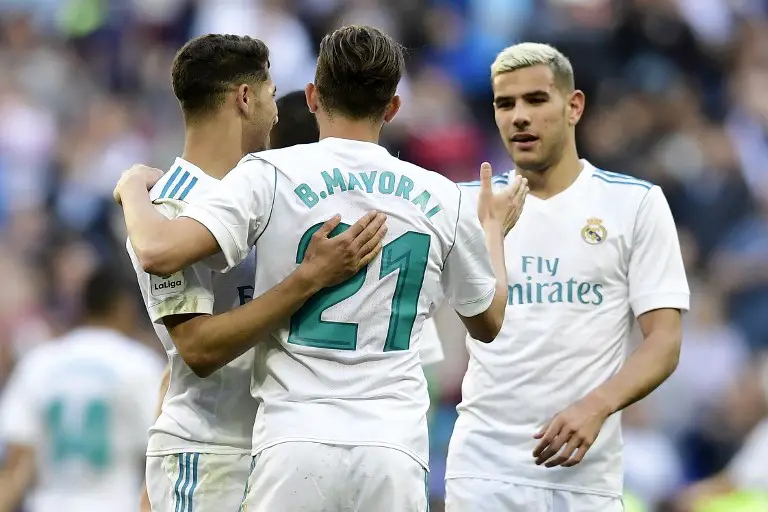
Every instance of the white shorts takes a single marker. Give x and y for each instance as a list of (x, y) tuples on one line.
[(197, 482), (316, 477), (479, 495)]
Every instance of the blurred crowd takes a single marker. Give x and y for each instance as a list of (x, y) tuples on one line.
[(676, 94)]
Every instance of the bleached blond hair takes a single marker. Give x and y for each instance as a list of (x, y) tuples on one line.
[(526, 55)]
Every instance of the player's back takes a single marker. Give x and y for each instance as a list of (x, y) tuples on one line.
[(346, 368), (213, 414), (89, 407)]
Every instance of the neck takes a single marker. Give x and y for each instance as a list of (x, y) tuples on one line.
[(214, 146), (556, 178), (342, 128)]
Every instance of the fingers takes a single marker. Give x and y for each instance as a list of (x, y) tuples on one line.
[(554, 446), (360, 225), (577, 457), (330, 225), (486, 173), (565, 454), (371, 244), (548, 436), (368, 233), (365, 260)]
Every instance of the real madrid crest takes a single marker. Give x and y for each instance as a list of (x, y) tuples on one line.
[(594, 232)]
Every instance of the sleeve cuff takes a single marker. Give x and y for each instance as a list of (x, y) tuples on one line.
[(475, 307), (180, 305), (226, 240), (672, 300)]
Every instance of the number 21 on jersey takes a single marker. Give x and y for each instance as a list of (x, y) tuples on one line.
[(408, 254)]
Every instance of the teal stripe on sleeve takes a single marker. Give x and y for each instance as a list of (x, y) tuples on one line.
[(179, 184), (188, 189), (169, 182)]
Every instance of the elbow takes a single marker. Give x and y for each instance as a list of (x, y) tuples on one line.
[(202, 367), (200, 363), (154, 260), (489, 331)]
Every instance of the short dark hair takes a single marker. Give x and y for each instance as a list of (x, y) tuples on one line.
[(297, 124), (105, 288), (207, 66), (358, 70)]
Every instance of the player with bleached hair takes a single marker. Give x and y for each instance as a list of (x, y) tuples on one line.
[(539, 422)]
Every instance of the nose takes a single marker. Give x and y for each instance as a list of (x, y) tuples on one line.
[(520, 117)]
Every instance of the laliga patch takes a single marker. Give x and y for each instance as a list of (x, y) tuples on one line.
[(169, 285)]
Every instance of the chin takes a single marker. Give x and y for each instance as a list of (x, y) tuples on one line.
[(529, 164)]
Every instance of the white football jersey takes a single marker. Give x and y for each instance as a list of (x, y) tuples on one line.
[(581, 265), (214, 414), (84, 403), (345, 368)]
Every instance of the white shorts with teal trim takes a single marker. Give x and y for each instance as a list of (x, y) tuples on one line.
[(197, 482)]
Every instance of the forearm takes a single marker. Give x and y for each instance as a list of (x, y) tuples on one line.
[(494, 239), (219, 339), (649, 366), (163, 246), (15, 478)]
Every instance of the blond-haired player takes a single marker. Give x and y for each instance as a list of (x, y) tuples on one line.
[(592, 251)]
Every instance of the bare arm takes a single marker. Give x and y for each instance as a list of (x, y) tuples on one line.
[(208, 342), (576, 428), (651, 363), (16, 476), (144, 504), (163, 246), (498, 213)]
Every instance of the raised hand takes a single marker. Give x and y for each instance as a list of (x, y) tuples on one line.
[(503, 206)]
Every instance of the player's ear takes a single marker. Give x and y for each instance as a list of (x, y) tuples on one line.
[(310, 91), (576, 102), (243, 101), (392, 109)]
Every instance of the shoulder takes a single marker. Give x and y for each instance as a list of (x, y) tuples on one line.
[(618, 184), (181, 184)]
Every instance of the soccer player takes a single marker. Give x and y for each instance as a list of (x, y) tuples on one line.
[(199, 450), (592, 251), (75, 412), (341, 423)]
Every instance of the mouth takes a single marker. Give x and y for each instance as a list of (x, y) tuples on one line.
[(524, 137)]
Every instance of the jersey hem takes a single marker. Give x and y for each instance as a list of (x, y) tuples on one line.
[(649, 302), (220, 232), (477, 306), (198, 449), (204, 307), (424, 463), (534, 483)]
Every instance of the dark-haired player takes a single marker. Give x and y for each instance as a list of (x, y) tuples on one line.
[(199, 450)]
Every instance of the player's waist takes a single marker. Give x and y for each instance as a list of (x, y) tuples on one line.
[(167, 436), (349, 425), (477, 450)]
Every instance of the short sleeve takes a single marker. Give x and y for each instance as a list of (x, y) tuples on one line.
[(189, 291), (237, 209), (19, 421), (468, 280), (656, 273)]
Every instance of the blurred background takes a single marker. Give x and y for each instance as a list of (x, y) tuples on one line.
[(677, 93)]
